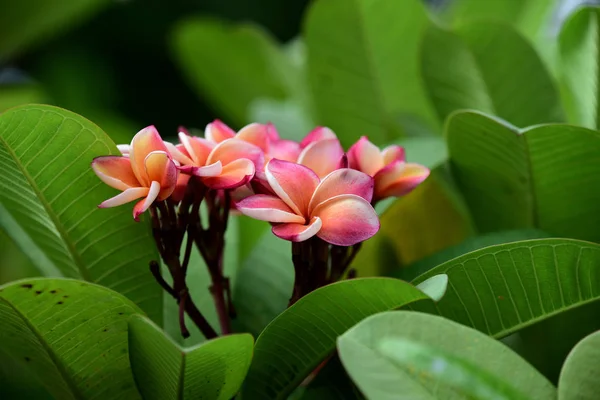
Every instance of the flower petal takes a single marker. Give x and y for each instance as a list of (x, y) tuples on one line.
[(343, 181), (125, 197), (297, 232), (347, 219), (214, 169), (179, 153), (317, 134), (197, 148), (322, 157), (233, 175), (115, 171), (272, 132), (124, 149), (256, 134), (393, 153), (217, 131), (234, 149), (180, 187), (286, 150), (143, 143), (160, 168), (293, 183), (142, 206), (399, 179), (268, 208), (365, 156)]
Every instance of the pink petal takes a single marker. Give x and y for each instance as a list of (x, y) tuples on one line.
[(217, 131), (399, 179), (160, 168), (142, 206), (343, 181), (179, 154), (143, 143), (124, 149), (234, 149), (115, 171), (319, 133), (365, 156), (268, 208), (393, 153), (233, 175), (256, 134), (197, 148), (214, 169), (297, 232), (260, 183), (242, 192), (272, 132), (323, 156), (286, 150), (125, 197), (183, 129), (293, 183), (347, 219), (180, 187)]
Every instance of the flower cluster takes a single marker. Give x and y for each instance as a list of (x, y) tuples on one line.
[(304, 189)]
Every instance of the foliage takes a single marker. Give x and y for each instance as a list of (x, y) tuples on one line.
[(499, 244)]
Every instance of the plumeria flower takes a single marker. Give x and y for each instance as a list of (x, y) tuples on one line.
[(254, 133), (147, 172), (393, 176), (337, 209), (226, 165)]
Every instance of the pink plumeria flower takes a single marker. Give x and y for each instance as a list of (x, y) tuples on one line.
[(322, 152), (148, 171), (393, 176), (226, 165), (337, 209), (254, 133)]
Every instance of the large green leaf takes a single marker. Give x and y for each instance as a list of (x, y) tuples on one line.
[(162, 370), (48, 205), (363, 66), (412, 271), (295, 342), (502, 289), (580, 72), (489, 67), (408, 355), (70, 335), (579, 376), (515, 179), (230, 65), (535, 19), (22, 23), (429, 219)]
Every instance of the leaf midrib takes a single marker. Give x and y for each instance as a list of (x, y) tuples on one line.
[(57, 224), (61, 370)]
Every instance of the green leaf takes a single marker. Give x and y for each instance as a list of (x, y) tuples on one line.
[(264, 283), (70, 335), (162, 370), (412, 271), (427, 151), (408, 355), (502, 289), (230, 65), (363, 66), (534, 186), (535, 19), (48, 205), (24, 23), (434, 287), (579, 62), (422, 223), (302, 336), (468, 70), (288, 116), (578, 378)]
